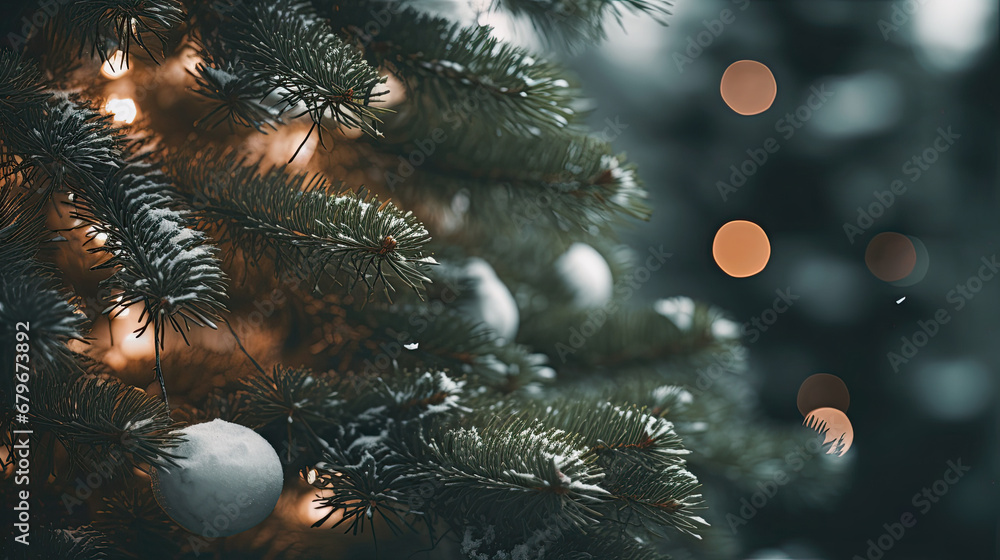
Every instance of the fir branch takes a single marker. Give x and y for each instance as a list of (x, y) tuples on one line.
[(363, 492), (445, 65), (446, 339), (30, 292), (137, 525), (235, 96), (327, 80), (303, 224), (614, 432), (97, 417), (513, 473), (158, 259), (296, 401), (116, 24), (574, 22), (653, 499), (81, 543)]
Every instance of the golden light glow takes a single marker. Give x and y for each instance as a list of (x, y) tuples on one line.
[(891, 256), (308, 512), (822, 390), (741, 248), (838, 428), (396, 91), (127, 344), (748, 87), (123, 110), (98, 238), (114, 67)]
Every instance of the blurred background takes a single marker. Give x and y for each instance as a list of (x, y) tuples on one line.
[(864, 89), (897, 72)]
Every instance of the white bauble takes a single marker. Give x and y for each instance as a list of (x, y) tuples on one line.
[(228, 480), (586, 274), (490, 302)]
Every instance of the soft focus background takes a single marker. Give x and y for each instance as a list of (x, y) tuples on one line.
[(898, 71)]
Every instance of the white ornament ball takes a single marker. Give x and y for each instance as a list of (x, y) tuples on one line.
[(491, 303), (586, 274), (228, 480)]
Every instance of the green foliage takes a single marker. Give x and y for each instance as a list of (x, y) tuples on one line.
[(30, 293), (82, 543), (158, 260), (264, 44), (303, 224), (574, 22), (445, 66), (94, 417), (118, 24)]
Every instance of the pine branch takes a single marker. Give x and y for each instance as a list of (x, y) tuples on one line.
[(327, 80), (515, 474), (235, 96), (673, 329), (95, 417), (109, 25), (448, 68), (448, 340), (302, 223), (574, 22), (30, 293), (139, 528), (81, 543), (158, 260)]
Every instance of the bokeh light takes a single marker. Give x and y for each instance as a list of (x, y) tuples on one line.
[(822, 390), (114, 67), (891, 256), (122, 110), (952, 390), (748, 87), (741, 248), (838, 428), (920, 269)]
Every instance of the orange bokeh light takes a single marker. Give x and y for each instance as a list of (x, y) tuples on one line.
[(891, 256), (822, 390), (748, 87), (837, 425), (741, 248)]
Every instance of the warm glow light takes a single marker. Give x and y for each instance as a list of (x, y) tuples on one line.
[(99, 238), (748, 87), (396, 91), (741, 248), (822, 390), (311, 511), (891, 256), (838, 428), (114, 67), (124, 110)]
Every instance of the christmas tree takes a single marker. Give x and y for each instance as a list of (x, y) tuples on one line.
[(345, 264)]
